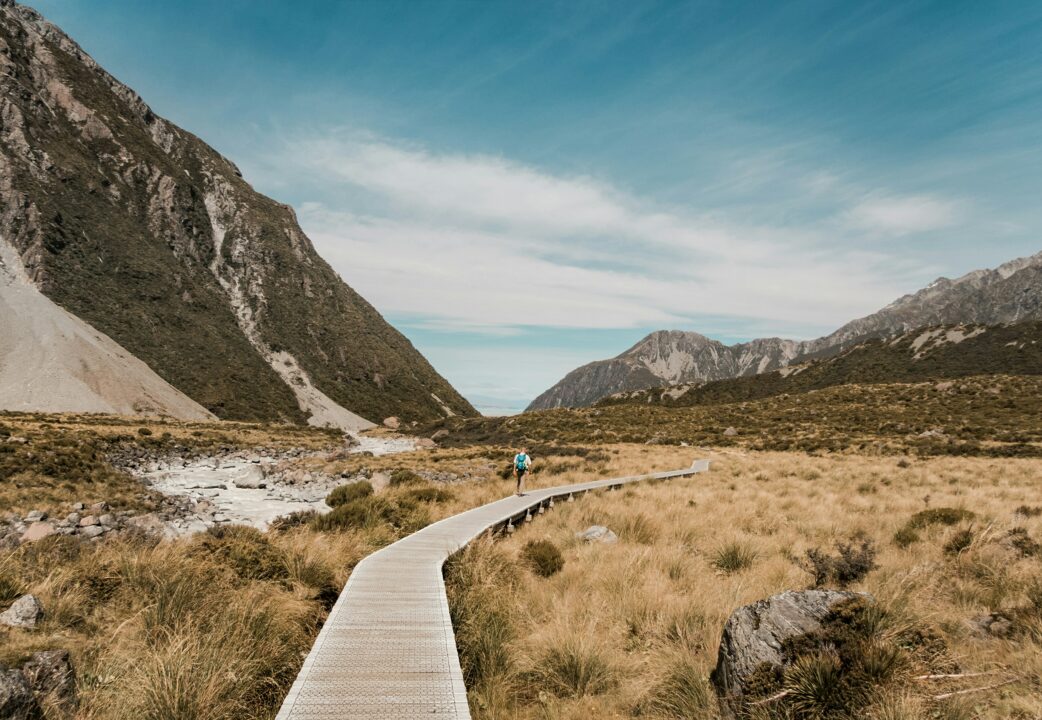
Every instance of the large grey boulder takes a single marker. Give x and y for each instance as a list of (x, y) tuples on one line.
[(251, 478), (754, 636), (16, 697), (25, 612)]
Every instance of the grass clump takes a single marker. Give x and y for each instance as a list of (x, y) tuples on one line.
[(543, 557), (244, 549), (350, 492), (404, 476), (683, 694), (939, 516), (851, 563), (575, 669), (733, 557)]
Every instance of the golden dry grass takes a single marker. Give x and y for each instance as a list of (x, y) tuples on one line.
[(647, 613)]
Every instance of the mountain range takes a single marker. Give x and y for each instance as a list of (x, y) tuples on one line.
[(1010, 293), (148, 237)]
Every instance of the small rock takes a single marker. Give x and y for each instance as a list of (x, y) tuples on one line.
[(16, 697), (73, 518), (993, 625), (50, 674), (38, 531), (943, 386), (89, 521), (92, 532), (730, 432), (36, 516), (440, 434), (392, 422), (425, 444), (78, 507), (99, 508), (251, 479), (25, 612), (597, 533), (108, 520)]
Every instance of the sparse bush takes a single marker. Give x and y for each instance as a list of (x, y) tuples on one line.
[(429, 494), (543, 557), (1029, 511), (851, 563), (244, 549), (350, 492), (1019, 539), (939, 516), (298, 518), (959, 541), (575, 669), (404, 476), (905, 536), (733, 557), (144, 432)]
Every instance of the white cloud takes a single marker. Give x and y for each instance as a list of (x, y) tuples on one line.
[(903, 215), (482, 242)]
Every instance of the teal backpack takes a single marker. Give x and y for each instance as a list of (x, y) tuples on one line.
[(521, 461)]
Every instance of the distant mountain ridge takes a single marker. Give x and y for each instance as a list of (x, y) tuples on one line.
[(140, 229), (945, 353), (1010, 293)]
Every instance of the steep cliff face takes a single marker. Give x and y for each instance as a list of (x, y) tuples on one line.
[(142, 230), (1011, 293)]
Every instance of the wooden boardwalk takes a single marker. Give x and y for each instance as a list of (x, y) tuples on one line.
[(387, 649)]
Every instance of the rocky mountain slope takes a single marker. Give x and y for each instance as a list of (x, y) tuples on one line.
[(942, 353), (1011, 293), (51, 361), (149, 235)]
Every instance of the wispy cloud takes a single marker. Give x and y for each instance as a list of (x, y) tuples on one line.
[(903, 215), (481, 242)]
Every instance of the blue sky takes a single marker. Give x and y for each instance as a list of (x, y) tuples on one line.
[(524, 187)]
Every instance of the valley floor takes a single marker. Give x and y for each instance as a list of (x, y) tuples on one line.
[(216, 625)]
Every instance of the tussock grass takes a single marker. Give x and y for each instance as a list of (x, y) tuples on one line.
[(651, 607)]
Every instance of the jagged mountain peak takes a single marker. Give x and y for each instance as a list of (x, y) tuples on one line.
[(1010, 293)]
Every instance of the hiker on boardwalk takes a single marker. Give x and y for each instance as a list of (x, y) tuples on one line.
[(522, 462)]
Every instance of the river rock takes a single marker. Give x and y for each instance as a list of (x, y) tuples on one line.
[(754, 634), (36, 516), (38, 531), (730, 432), (16, 697), (92, 532), (597, 533), (252, 478), (392, 422), (89, 521), (25, 612)]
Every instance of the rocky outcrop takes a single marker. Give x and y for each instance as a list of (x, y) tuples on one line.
[(755, 636), (1011, 293), (148, 235), (46, 680)]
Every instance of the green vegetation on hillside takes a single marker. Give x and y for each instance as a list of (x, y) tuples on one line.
[(985, 415)]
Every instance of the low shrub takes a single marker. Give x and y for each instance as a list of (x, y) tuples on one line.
[(1019, 539), (851, 563), (244, 549), (905, 536), (429, 494), (348, 493), (1029, 511), (144, 432), (543, 557), (733, 557), (959, 541), (404, 476), (939, 516), (296, 519)]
